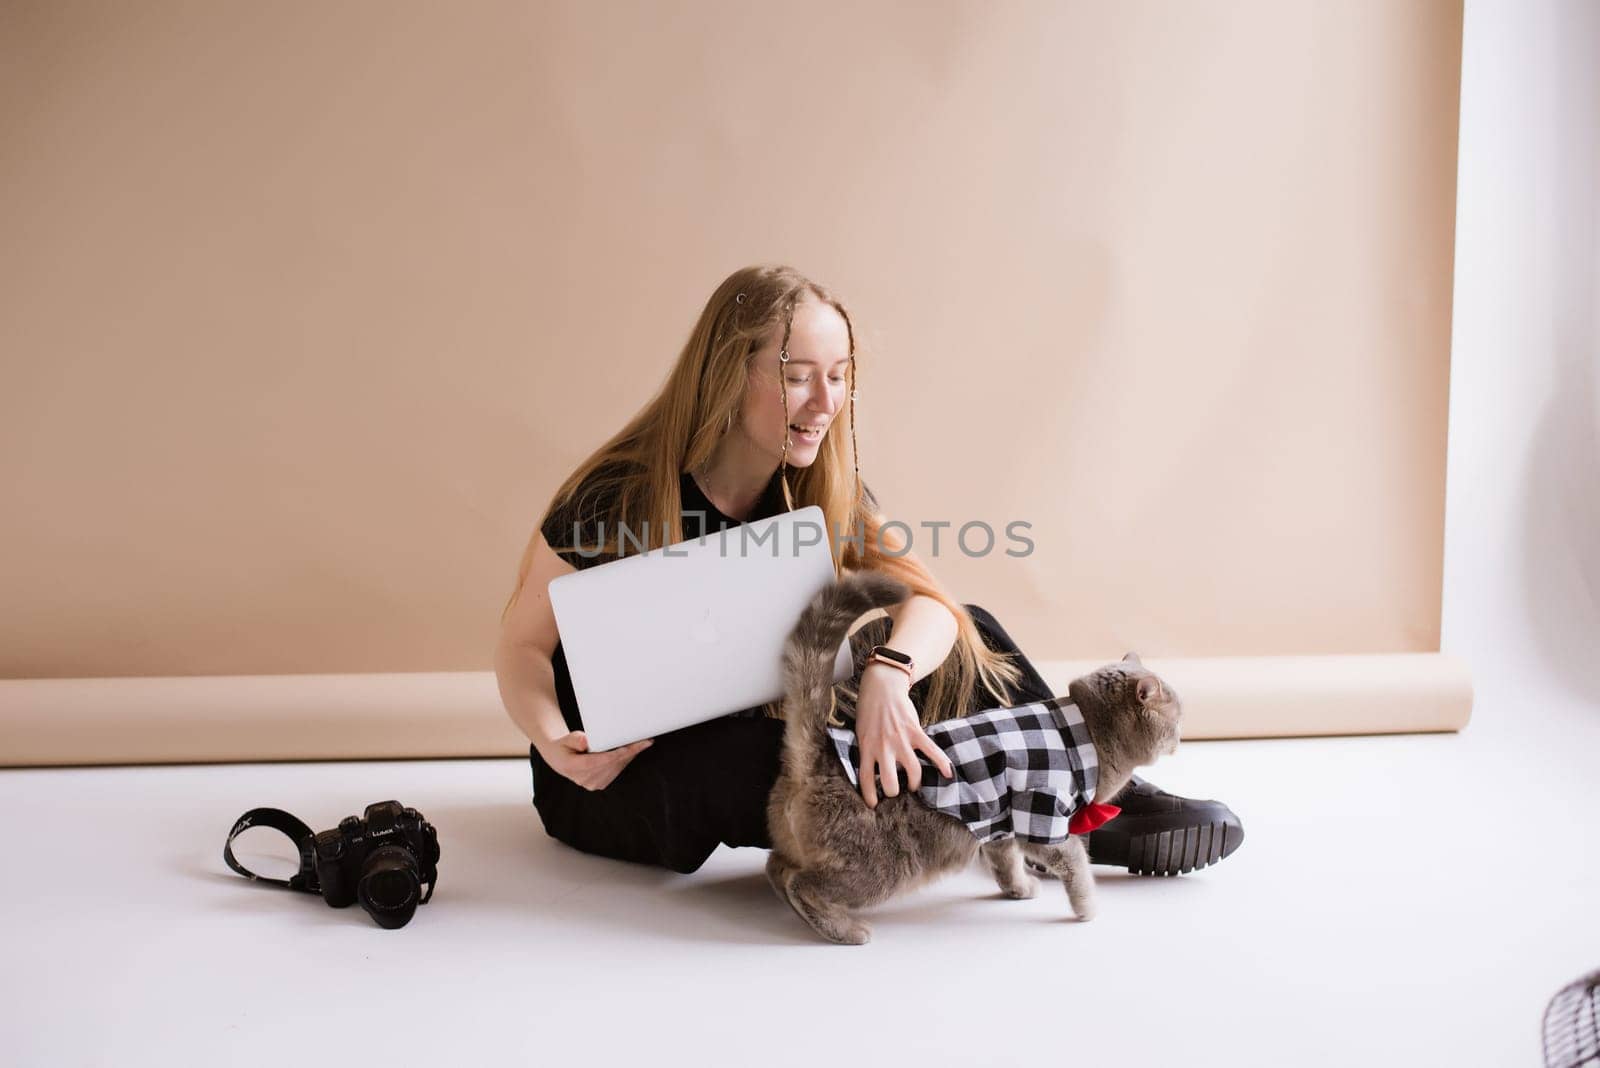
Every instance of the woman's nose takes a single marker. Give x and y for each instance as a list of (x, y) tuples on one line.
[(825, 403)]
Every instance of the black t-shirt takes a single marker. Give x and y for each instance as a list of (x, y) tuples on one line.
[(699, 517), (577, 521)]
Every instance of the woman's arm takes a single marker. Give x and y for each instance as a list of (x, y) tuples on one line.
[(522, 667), (924, 630), (528, 691), (888, 728), (527, 688)]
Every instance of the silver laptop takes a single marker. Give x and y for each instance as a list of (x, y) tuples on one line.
[(688, 632)]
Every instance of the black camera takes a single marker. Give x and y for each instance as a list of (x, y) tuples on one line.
[(380, 859)]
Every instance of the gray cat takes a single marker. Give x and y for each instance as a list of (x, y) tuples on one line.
[(832, 854)]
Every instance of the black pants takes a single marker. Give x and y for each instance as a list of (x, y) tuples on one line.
[(706, 785)]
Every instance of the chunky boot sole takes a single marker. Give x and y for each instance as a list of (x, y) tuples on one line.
[(1151, 845), (1165, 844)]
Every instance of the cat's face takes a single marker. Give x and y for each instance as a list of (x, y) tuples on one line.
[(1130, 709)]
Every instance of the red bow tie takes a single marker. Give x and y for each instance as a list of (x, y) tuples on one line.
[(1090, 816)]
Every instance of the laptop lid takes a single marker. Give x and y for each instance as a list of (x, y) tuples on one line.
[(688, 632)]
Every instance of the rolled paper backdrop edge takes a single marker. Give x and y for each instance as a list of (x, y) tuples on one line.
[(454, 715)]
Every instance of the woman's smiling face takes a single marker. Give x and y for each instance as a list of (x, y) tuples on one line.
[(816, 379)]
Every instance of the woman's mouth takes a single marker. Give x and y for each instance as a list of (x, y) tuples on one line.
[(808, 435)]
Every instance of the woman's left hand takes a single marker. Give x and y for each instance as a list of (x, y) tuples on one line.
[(890, 735)]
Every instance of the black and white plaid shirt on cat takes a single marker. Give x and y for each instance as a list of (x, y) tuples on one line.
[(1021, 771)]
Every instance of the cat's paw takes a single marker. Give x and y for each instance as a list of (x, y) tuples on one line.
[(1020, 889), (1084, 909), (850, 933)]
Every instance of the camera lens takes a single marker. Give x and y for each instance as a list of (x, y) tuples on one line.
[(389, 885)]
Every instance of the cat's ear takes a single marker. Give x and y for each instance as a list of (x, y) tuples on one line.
[(1160, 702), (1133, 658)]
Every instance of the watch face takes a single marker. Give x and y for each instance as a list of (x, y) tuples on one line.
[(892, 654)]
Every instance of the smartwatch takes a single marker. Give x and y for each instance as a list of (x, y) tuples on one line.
[(893, 657)]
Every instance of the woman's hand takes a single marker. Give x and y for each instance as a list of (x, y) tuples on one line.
[(569, 755), (889, 734)]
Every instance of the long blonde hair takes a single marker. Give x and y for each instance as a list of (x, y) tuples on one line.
[(686, 417)]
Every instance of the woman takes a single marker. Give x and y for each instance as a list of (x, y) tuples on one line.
[(753, 421)]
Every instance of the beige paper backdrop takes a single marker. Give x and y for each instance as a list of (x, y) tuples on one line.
[(307, 308)]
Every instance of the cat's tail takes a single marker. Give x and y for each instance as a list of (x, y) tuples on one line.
[(808, 658)]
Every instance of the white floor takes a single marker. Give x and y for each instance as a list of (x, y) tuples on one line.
[(1405, 899), (1399, 900)]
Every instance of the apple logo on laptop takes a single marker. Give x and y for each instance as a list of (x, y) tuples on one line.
[(705, 631)]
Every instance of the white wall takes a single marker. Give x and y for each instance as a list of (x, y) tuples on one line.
[(1522, 529)]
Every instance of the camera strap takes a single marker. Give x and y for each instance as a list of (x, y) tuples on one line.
[(302, 837)]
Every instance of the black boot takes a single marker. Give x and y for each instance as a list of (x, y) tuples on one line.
[(1158, 833)]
